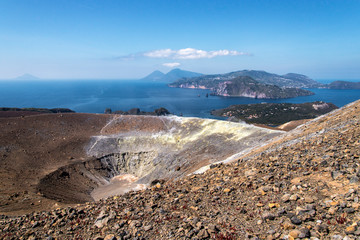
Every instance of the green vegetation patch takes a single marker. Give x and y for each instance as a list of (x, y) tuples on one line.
[(274, 113)]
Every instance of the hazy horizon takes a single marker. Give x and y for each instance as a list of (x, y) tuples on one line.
[(321, 80), (129, 39)]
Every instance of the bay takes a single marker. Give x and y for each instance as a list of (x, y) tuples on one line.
[(94, 96)]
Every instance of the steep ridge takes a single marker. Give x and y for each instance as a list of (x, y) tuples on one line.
[(303, 184)]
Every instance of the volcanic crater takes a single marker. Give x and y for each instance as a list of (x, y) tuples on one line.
[(62, 159)]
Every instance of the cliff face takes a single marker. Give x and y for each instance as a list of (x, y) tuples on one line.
[(247, 87), (242, 87), (290, 80)]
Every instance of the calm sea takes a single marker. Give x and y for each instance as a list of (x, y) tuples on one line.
[(93, 96)]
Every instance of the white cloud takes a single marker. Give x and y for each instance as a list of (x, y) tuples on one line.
[(190, 53), (162, 53), (171, 65)]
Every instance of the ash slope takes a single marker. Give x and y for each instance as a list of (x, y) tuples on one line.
[(304, 184)]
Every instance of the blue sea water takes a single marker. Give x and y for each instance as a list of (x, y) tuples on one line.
[(94, 96)]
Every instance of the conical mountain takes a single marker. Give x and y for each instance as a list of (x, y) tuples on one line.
[(26, 77), (154, 76), (171, 76)]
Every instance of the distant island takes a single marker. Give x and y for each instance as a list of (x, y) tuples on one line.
[(343, 85), (26, 77), (171, 76), (274, 113)]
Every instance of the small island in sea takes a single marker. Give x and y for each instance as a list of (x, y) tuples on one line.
[(343, 85)]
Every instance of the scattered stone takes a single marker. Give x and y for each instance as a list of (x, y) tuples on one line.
[(322, 228), (295, 220), (293, 197), (274, 205), (294, 233), (349, 210), (351, 229), (336, 237), (147, 228), (268, 216), (354, 179), (102, 219), (308, 199), (250, 173), (203, 234), (336, 174), (285, 198), (332, 210), (304, 233), (110, 237), (288, 225)]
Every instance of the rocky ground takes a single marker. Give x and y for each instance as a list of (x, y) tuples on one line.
[(304, 185)]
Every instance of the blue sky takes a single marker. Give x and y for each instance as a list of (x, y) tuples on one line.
[(129, 39)]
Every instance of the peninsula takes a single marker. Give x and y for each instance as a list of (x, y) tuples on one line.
[(274, 113)]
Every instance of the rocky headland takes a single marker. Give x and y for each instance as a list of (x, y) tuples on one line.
[(343, 85), (242, 86), (290, 80), (304, 184), (18, 112)]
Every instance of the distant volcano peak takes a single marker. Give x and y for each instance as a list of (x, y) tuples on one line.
[(171, 76), (26, 76)]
